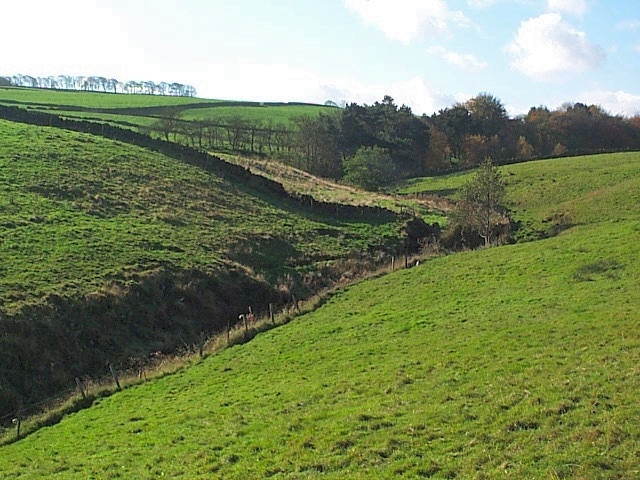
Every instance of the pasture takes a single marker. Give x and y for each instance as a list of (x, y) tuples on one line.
[(521, 361), (111, 251), (138, 110), (283, 115), (45, 98), (79, 209)]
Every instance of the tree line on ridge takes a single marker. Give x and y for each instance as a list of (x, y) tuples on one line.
[(99, 84), (376, 145), (373, 146)]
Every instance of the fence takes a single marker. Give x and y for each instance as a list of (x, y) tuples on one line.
[(27, 418)]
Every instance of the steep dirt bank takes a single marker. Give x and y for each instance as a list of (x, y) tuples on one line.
[(47, 346)]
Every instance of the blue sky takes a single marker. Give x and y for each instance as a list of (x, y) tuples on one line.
[(426, 54)]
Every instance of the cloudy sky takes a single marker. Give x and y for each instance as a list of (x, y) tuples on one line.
[(427, 54)]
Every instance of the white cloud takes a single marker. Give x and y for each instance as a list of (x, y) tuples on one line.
[(74, 37), (480, 3), (418, 95), (632, 25), (574, 7), (464, 61), (262, 82), (547, 47), (406, 20), (413, 92), (258, 82), (616, 102)]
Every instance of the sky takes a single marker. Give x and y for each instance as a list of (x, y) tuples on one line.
[(426, 54)]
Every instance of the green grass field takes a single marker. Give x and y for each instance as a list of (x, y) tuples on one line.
[(60, 98), (143, 110), (103, 241), (78, 210), (547, 195), (521, 361), (276, 115)]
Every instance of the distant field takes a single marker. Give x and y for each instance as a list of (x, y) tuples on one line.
[(190, 108), (576, 190), (276, 115), (443, 185), (520, 361), (134, 122), (46, 97)]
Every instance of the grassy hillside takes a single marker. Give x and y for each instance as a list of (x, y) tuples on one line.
[(515, 362), (547, 196), (298, 181), (44, 98), (110, 251), (283, 114), (143, 110), (78, 209)]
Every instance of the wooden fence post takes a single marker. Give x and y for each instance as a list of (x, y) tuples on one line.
[(18, 420), (79, 385), (295, 303), (271, 315), (202, 342), (115, 376), (228, 330)]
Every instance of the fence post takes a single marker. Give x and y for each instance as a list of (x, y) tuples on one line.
[(18, 420), (202, 342), (271, 315), (295, 303), (115, 376), (79, 385)]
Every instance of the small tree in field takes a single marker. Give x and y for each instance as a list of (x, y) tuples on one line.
[(370, 168), (482, 196)]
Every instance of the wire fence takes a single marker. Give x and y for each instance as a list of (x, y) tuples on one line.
[(88, 388)]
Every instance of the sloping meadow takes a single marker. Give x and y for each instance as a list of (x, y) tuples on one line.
[(111, 251), (85, 207), (521, 361)]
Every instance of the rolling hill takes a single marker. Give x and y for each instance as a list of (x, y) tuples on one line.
[(135, 110), (115, 245), (520, 361)]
